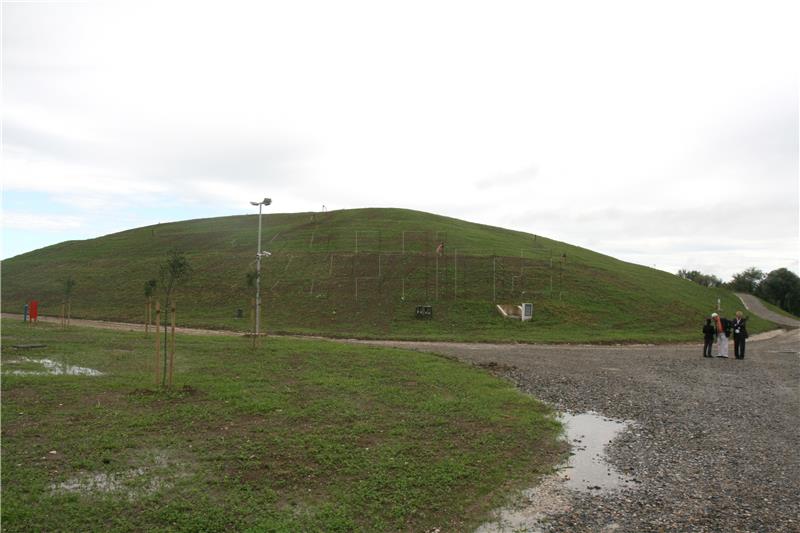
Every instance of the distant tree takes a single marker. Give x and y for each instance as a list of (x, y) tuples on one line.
[(172, 272), (746, 281), (69, 286), (149, 290), (175, 270), (250, 278), (782, 288), (706, 280)]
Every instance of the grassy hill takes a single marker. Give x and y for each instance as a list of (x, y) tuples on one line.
[(362, 272)]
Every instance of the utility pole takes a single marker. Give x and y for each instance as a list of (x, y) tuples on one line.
[(259, 255)]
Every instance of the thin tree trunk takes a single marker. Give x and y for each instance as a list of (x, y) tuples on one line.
[(172, 346), (166, 344), (158, 343)]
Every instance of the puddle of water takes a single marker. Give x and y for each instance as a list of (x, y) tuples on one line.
[(532, 508), (586, 472), (134, 483), (129, 482), (51, 368)]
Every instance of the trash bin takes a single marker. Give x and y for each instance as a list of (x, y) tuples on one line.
[(25, 313)]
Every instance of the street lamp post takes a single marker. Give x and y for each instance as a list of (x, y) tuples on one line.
[(259, 255)]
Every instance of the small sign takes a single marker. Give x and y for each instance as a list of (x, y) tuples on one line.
[(424, 312), (527, 311)]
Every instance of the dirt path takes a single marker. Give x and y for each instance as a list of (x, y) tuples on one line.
[(121, 326)]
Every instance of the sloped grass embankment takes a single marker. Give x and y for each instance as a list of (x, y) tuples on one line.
[(362, 272)]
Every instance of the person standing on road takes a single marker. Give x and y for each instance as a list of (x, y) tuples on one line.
[(739, 335), (708, 337), (722, 339)]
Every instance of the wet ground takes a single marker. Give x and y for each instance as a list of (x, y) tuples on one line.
[(588, 468), (586, 471), (31, 366), (712, 446), (158, 471)]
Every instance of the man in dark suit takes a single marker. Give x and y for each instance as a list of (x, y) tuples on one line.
[(739, 335)]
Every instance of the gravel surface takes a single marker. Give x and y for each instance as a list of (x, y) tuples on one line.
[(755, 306), (714, 443)]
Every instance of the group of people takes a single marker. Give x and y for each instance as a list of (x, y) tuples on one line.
[(719, 329)]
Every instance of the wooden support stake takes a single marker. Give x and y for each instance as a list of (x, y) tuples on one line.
[(494, 278), (253, 321), (147, 317), (436, 280), (455, 274), (158, 344), (172, 346)]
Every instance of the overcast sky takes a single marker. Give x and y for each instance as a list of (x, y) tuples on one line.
[(662, 133)]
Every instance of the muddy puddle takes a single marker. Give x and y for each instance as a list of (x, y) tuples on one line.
[(160, 473), (132, 483), (48, 368), (586, 472)]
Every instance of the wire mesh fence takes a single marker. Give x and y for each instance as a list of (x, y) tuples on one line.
[(409, 265)]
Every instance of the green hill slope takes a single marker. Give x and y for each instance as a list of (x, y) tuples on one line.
[(362, 272)]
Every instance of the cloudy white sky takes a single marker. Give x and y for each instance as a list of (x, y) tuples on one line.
[(663, 133)]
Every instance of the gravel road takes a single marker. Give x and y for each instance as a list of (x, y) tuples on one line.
[(714, 443), (755, 306)]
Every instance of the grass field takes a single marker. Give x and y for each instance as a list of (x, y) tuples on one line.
[(297, 435), (362, 272)]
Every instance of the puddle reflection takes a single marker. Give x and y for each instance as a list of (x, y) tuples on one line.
[(587, 469), (51, 368), (586, 472)]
